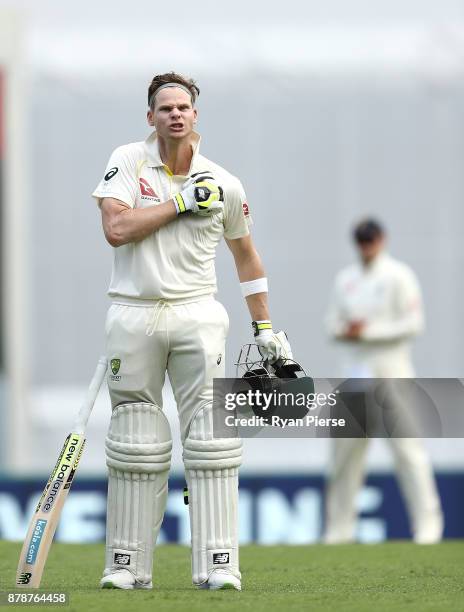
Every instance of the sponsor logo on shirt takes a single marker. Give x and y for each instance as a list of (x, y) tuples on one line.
[(109, 175), (246, 210), (147, 190), (350, 286)]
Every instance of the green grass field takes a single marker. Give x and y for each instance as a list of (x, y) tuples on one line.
[(394, 576)]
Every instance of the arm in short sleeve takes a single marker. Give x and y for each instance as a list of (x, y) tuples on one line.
[(237, 219), (120, 178), (335, 321)]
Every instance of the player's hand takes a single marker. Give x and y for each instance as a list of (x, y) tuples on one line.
[(201, 194), (272, 346), (354, 330)]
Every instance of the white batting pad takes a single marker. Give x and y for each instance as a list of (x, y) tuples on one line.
[(212, 478), (138, 456)]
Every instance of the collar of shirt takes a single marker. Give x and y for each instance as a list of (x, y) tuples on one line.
[(153, 156), (376, 264)]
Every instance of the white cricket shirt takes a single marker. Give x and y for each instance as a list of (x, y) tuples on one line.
[(177, 260), (385, 295)]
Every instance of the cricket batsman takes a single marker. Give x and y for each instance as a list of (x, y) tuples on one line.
[(164, 209), (375, 312)]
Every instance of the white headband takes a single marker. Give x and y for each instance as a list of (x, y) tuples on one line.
[(170, 85)]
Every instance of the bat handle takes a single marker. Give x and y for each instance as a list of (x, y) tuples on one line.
[(94, 387)]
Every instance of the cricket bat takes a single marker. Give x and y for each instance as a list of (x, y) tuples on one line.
[(43, 524)]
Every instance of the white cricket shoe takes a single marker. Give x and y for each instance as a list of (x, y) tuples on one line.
[(221, 579), (122, 579), (428, 537), (430, 529)]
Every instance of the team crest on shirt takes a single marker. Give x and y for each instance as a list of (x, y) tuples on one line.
[(246, 210), (147, 190)]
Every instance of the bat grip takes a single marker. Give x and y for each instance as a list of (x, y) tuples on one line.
[(94, 387)]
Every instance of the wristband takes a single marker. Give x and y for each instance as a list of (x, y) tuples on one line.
[(259, 285), (179, 203), (259, 326)]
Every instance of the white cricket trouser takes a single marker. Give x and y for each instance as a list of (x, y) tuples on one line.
[(413, 467), (415, 477), (186, 339)]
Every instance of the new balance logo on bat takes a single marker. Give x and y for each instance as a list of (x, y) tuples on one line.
[(24, 578), (220, 558)]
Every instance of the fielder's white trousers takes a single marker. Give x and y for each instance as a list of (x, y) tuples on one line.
[(416, 481), (388, 360)]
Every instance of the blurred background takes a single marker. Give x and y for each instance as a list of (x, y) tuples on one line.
[(327, 112)]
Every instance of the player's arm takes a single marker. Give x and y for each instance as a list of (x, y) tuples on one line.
[(336, 323), (253, 283), (250, 268), (123, 224), (116, 195)]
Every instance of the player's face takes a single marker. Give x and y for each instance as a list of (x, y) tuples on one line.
[(173, 115), (369, 250)]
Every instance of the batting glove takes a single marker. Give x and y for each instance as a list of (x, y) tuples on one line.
[(272, 346), (200, 194)]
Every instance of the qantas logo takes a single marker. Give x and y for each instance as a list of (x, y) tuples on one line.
[(147, 190)]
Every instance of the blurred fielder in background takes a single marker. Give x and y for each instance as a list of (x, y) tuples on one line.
[(375, 311), (165, 208)]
